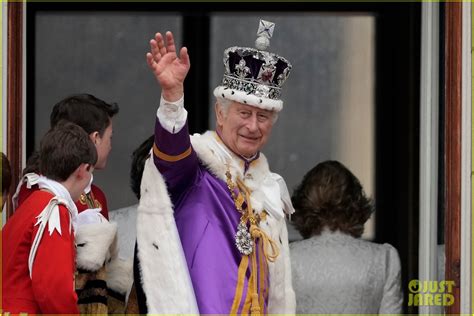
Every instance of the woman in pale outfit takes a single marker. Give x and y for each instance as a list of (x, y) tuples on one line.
[(334, 271)]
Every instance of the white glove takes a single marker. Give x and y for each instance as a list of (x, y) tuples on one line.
[(90, 216)]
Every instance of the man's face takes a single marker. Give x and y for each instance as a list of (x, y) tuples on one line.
[(244, 129)]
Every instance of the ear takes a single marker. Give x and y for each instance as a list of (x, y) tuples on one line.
[(82, 170), (95, 137), (219, 114)]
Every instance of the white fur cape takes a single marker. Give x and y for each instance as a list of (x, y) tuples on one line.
[(164, 274), (165, 277), (96, 245)]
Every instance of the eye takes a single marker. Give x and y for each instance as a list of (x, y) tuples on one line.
[(263, 117), (245, 114)]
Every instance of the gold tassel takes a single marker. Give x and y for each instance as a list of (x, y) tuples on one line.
[(255, 307), (256, 233)]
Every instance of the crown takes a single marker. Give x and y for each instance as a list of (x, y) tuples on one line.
[(255, 76)]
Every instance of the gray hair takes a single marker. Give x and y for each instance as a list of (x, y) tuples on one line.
[(225, 105)]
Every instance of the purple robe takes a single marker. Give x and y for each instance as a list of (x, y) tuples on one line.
[(207, 219)]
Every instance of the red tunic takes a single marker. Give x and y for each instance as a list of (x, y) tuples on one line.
[(51, 288), (95, 198)]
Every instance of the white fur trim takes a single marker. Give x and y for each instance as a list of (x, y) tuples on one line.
[(285, 195), (258, 174), (281, 297), (120, 275), (250, 99), (94, 243), (165, 277)]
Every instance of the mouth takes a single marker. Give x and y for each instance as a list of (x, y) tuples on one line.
[(250, 138)]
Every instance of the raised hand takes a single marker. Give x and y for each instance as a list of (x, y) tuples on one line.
[(169, 69)]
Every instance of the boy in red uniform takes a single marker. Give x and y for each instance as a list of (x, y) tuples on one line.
[(101, 278), (38, 240), (95, 117)]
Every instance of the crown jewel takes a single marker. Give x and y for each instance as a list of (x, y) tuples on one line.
[(255, 71), (264, 33)]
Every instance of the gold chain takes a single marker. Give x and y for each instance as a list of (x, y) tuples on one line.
[(239, 201)]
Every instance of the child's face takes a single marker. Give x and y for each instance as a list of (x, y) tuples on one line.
[(83, 179)]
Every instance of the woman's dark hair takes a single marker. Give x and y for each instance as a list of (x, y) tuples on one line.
[(6, 174), (330, 196), (64, 148), (139, 156)]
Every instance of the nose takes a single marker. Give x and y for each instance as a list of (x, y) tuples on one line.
[(252, 123)]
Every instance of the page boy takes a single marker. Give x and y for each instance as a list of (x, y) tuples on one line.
[(38, 240)]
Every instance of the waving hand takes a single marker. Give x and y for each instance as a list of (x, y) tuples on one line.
[(169, 69)]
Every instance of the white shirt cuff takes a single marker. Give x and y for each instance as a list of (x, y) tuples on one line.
[(172, 115)]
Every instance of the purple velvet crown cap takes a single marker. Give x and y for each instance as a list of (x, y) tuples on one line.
[(254, 76)]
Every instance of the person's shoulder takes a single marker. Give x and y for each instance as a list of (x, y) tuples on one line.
[(346, 243), (385, 252), (385, 248), (303, 246), (24, 187), (24, 193), (388, 247), (391, 252), (64, 210), (33, 205), (97, 191), (374, 245), (99, 195), (28, 211), (38, 196), (298, 243), (42, 198)]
